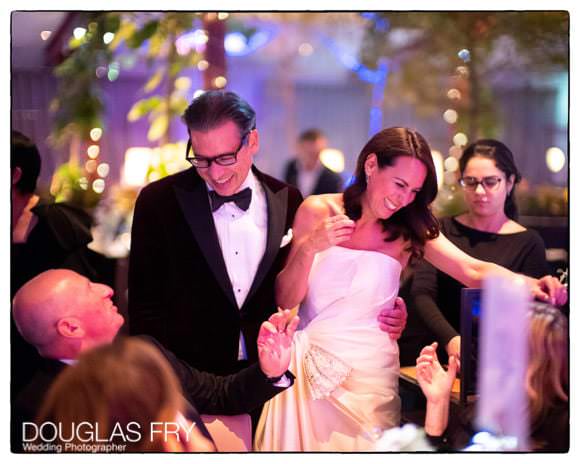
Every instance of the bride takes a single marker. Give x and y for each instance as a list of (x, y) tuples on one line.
[(344, 266)]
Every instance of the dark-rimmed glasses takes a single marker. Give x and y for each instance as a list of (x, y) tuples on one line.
[(225, 159), (488, 183)]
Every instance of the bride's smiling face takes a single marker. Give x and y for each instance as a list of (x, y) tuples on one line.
[(392, 187)]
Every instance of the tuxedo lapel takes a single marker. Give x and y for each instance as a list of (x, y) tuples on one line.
[(277, 209), (194, 203)]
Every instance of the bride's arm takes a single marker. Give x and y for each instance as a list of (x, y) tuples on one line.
[(314, 230), (470, 271)]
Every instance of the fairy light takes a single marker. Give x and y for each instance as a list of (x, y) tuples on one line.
[(450, 116), (93, 151), (108, 37), (305, 49), (220, 82), (79, 32), (91, 166), (103, 169), (460, 139), (98, 185), (454, 94), (451, 164), (555, 159), (95, 134)]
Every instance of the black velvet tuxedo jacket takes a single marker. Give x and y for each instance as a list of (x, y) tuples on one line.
[(179, 289), (327, 182), (206, 393)]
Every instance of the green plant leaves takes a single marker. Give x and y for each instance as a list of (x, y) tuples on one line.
[(143, 107)]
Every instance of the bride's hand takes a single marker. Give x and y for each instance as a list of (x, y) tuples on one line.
[(332, 231)]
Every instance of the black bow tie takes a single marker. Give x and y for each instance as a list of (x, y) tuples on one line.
[(242, 199)]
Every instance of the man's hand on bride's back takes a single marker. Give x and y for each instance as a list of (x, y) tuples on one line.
[(393, 320)]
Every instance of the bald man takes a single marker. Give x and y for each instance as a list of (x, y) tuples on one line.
[(62, 314)]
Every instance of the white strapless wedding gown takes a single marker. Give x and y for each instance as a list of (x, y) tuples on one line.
[(346, 368)]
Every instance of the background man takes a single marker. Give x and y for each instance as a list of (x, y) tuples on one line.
[(306, 172)]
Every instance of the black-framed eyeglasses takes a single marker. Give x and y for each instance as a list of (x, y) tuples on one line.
[(488, 182), (225, 159)]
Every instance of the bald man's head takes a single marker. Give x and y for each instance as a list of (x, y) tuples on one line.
[(62, 313)]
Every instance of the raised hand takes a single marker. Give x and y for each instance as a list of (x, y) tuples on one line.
[(393, 320), (434, 381), (550, 290), (275, 342), (331, 231)]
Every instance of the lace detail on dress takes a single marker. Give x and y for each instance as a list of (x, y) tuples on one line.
[(324, 372)]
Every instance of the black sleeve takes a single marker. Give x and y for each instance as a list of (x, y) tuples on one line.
[(424, 299), (288, 172), (71, 228), (439, 443), (146, 265), (214, 394), (535, 263)]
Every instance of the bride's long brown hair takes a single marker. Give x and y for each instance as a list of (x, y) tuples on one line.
[(415, 222)]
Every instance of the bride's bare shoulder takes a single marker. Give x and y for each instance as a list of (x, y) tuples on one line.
[(322, 206)]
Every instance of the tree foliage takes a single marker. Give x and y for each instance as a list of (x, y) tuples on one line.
[(422, 49)]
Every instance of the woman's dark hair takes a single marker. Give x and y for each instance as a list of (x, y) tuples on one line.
[(415, 222), (24, 155), (504, 161)]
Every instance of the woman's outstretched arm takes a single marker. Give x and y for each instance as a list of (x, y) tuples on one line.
[(470, 271)]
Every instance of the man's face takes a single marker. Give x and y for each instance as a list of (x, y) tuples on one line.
[(309, 151), (95, 310), (226, 138)]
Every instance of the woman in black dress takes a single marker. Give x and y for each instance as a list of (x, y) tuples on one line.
[(487, 230)]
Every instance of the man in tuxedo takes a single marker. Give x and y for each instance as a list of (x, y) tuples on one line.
[(208, 242), (306, 172), (63, 314)]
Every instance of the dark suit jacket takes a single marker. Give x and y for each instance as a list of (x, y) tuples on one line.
[(206, 393), (237, 393), (179, 289), (327, 182)]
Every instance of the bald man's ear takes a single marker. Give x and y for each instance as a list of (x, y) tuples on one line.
[(70, 327)]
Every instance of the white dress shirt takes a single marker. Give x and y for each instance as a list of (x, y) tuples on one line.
[(242, 237), (306, 180)]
